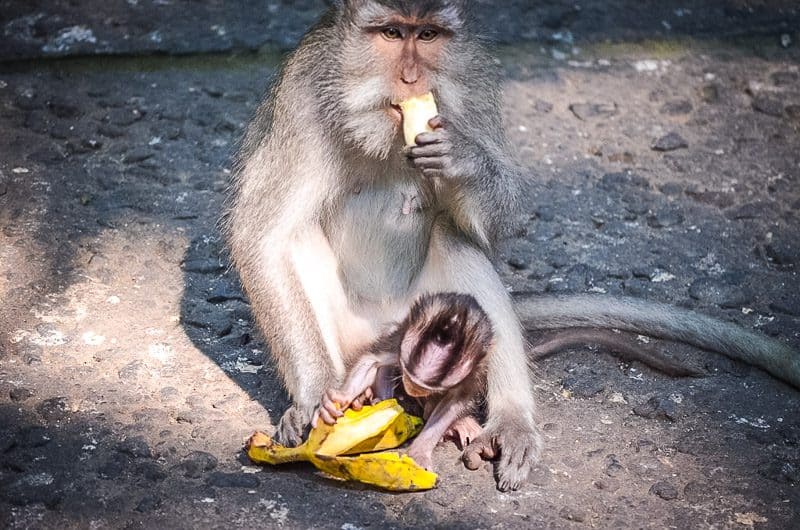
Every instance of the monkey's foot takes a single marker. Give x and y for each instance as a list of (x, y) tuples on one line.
[(514, 445), (292, 427), (463, 431), (423, 457)]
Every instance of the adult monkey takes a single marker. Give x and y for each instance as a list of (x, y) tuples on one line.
[(335, 233)]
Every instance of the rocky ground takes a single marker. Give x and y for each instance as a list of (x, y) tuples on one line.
[(663, 147)]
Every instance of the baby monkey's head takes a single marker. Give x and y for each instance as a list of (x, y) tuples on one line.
[(446, 338)]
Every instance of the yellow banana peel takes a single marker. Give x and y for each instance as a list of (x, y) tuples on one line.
[(373, 428)]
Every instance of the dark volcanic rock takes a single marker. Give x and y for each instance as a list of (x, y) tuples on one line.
[(669, 142), (18, 394), (768, 105), (725, 292), (665, 490), (196, 463), (676, 107), (53, 409), (623, 181), (783, 250), (203, 265), (657, 407), (585, 111), (665, 218), (136, 447), (585, 384)]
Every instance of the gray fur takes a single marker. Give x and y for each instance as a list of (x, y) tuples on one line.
[(664, 321)]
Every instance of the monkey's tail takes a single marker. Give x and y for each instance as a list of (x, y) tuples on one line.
[(655, 319)]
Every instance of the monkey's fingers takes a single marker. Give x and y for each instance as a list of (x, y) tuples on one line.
[(326, 416), (364, 399), (437, 122), (484, 447), (427, 138)]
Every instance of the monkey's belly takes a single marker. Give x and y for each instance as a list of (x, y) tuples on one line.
[(380, 236)]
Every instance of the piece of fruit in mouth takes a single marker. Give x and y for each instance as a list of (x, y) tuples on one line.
[(417, 112)]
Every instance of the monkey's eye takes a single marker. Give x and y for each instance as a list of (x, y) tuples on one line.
[(443, 337), (428, 34), (392, 33)]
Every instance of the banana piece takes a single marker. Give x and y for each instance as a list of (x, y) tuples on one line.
[(373, 428), (417, 112), (389, 471)]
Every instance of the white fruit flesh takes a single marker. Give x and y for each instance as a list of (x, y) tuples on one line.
[(417, 112)]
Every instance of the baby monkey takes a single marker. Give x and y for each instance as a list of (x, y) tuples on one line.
[(440, 349)]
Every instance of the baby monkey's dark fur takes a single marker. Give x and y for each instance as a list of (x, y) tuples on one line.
[(440, 351)]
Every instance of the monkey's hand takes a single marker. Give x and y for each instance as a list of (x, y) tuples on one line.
[(335, 402), (515, 449), (439, 153)]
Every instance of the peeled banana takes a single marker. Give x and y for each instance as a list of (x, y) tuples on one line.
[(417, 112), (373, 428)]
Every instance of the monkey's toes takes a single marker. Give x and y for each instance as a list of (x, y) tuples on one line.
[(292, 427), (519, 450)]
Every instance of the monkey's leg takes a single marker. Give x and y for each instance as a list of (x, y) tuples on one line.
[(299, 302), (463, 431), (449, 409), (511, 426)]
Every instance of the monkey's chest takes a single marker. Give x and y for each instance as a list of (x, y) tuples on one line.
[(380, 235)]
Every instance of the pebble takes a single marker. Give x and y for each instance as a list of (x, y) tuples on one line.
[(665, 218), (151, 471), (665, 490), (715, 198), (570, 513), (208, 317), (123, 117), (419, 513), (787, 303), (148, 503), (63, 107), (676, 107), (613, 466), (203, 265), (657, 408), (623, 180), (132, 370), (196, 463), (709, 93), (585, 385), (53, 409), (585, 111), (783, 250), (233, 480), (137, 155), (785, 78), (726, 292), (767, 105), (19, 394), (135, 446), (750, 210), (669, 142)]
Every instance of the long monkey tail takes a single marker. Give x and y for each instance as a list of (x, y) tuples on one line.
[(541, 312)]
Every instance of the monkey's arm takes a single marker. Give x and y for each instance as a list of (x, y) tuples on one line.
[(477, 182), (361, 377), (452, 406)]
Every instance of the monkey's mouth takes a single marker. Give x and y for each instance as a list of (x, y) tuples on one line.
[(395, 113), (414, 390)]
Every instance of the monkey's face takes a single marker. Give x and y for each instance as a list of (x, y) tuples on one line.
[(392, 52), (448, 335)]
